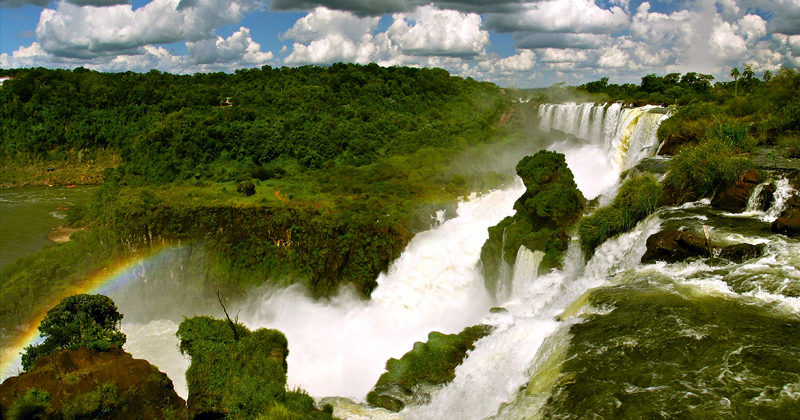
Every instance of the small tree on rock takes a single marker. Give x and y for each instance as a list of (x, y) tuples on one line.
[(246, 187), (77, 321)]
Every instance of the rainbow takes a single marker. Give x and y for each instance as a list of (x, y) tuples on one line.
[(103, 282)]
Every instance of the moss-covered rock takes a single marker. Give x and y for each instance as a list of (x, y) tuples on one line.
[(429, 364), (241, 374), (551, 203), (88, 384)]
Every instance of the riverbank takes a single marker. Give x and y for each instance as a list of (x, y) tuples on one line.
[(58, 173)]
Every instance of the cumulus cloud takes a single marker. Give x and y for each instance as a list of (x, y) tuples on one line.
[(571, 16), (88, 32), (536, 40), (376, 8), (237, 48), (325, 36), (98, 3), (439, 32)]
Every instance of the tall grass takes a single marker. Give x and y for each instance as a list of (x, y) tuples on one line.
[(637, 198)]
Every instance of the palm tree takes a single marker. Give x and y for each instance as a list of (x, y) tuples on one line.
[(748, 71), (735, 74), (767, 75)]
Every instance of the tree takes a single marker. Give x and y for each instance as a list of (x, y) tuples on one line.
[(735, 74), (77, 321), (767, 75), (748, 71)]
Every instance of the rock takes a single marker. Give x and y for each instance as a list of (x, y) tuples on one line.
[(673, 143), (788, 223), (766, 197), (673, 246), (73, 379), (776, 158), (672, 197), (656, 165), (734, 198), (742, 252)]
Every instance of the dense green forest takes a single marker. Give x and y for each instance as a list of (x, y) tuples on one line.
[(168, 127)]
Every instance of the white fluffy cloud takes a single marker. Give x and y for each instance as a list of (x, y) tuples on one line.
[(88, 32), (439, 32), (325, 36), (570, 16), (237, 48)]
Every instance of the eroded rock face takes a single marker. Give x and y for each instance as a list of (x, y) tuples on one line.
[(73, 379), (734, 198), (740, 253)]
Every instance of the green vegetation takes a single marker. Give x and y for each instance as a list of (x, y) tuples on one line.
[(717, 162), (77, 321), (342, 165), (33, 405), (97, 404), (240, 379), (551, 204), (637, 198), (430, 363)]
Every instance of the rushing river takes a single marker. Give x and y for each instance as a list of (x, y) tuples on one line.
[(603, 338)]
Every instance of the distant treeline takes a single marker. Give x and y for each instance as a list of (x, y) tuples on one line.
[(168, 127)]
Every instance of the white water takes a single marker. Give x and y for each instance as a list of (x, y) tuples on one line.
[(501, 362), (340, 347), (625, 135)]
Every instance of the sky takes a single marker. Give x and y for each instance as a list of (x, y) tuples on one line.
[(519, 43)]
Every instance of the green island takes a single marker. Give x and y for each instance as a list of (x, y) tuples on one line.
[(320, 176)]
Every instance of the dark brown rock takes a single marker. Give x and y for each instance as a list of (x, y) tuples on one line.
[(672, 197), (673, 246), (67, 375), (788, 223), (673, 144), (742, 252), (734, 198), (766, 197)]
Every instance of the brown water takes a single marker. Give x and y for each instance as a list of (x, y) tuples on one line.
[(28, 215)]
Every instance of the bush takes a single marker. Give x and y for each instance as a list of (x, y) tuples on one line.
[(34, 405), (637, 198), (246, 187), (94, 405), (715, 163), (79, 320)]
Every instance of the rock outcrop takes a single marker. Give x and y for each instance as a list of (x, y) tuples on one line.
[(85, 382), (788, 223), (734, 198), (673, 246), (412, 378)]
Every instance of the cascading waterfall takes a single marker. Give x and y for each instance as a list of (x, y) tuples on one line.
[(526, 268), (627, 134)]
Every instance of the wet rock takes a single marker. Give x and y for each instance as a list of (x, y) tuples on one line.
[(766, 197), (673, 197), (740, 253), (673, 246), (656, 165), (734, 198), (788, 223), (111, 381), (674, 142)]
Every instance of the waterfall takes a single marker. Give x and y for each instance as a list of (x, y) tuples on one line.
[(628, 135), (503, 362), (526, 268)]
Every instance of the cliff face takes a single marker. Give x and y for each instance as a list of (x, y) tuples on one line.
[(84, 383)]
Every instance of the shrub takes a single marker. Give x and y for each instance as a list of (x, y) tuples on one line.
[(34, 405), (93, 405), (637, 198), (77, 321), (246, 187), (717, 162)]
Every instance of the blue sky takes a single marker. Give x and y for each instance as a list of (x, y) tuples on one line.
[(519, 43)]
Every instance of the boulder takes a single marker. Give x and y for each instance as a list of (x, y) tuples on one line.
[(766, 197), (788, 223), (740, 253), (734, 198), (673, 246), (673, 197), (80, 382)]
